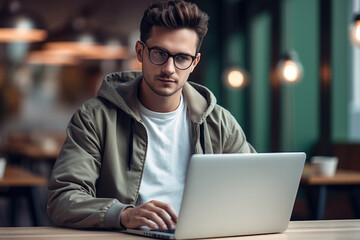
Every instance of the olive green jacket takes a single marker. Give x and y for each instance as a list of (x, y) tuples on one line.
[(99, 169)]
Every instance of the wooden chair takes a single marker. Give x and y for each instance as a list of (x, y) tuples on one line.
[(19, 182), (348, 154)]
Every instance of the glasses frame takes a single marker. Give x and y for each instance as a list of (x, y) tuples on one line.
[(173, 56)]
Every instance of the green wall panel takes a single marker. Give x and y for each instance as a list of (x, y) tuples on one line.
[(301, 100), (341, 78), (211, 56), (260, 82), (234, 98), (300, 103)]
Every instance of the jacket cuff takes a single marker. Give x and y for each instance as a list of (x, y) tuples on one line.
[(112, 216)]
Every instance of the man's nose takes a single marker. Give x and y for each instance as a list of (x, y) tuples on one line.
[(169, 66)]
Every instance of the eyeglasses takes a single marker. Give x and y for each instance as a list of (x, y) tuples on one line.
[(159, 56)]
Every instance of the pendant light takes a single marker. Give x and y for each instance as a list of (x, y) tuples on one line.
[(49, 58), (76, 38), (20, 25), (235, 77), (355, 31), (82, 38), (109, 49), (289, 67)]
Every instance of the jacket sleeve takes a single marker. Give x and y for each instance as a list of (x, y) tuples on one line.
[(234, 137), (72, 186)]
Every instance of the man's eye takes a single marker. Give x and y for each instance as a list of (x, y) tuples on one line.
[(159, 53), (183, 58)]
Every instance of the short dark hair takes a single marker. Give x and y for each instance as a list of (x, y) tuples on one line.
[(174, 14)]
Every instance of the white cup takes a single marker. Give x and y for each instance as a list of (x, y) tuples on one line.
[(2, 167), (325, 166)]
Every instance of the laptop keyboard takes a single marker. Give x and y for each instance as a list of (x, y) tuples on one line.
[(166, 231)]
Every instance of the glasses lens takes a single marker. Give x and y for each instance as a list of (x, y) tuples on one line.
[(158, 56), (183, 61)]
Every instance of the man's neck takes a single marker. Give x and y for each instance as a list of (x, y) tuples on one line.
[(157, 103)]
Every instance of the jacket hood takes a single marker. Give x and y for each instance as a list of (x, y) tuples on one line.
[(121, 89)]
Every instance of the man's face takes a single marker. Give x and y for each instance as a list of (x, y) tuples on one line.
[(166, 80)]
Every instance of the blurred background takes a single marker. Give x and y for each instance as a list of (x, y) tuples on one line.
[(288, 70)]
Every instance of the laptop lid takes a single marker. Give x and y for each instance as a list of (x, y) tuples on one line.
[(238, 194)]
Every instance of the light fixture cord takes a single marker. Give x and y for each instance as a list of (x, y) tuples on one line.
[(287, 25), (289, 91)]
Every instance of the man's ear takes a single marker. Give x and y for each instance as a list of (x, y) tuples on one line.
[(139, 49), (196, 61)]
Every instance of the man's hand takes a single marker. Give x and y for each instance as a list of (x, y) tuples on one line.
[(154, 214)]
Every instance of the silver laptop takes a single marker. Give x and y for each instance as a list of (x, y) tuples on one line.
[(236, 194)]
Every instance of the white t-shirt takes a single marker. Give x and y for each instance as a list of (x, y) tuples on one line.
[(167, 155)]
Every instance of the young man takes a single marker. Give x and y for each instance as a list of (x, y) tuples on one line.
[(124, 161)]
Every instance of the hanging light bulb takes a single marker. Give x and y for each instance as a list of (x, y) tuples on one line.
[(355, 31), (83, 38), (235, 78), (20, 25), (110, 49), (289, 67), (77, 38), (50, 58)]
